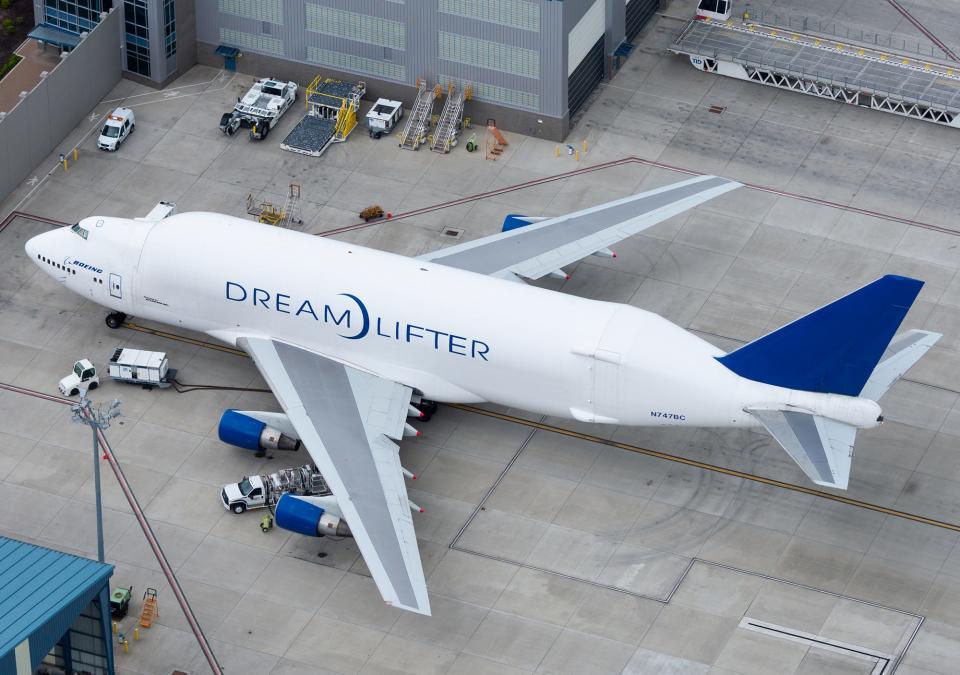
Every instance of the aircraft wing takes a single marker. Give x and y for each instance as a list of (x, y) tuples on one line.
[(344, 416), (545, 246), (822, 447)]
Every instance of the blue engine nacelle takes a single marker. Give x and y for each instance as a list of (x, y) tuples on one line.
[(306, 516), (250, 433), (515, 220)]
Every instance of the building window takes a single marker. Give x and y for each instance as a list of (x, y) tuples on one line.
[(514, 13), (169, 28), (356, 64), (75, 16), (486, 54), (340, 23), (137, 35), (262, 10), (256, 43)]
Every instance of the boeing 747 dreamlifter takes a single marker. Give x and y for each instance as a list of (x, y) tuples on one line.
[(348, 338)]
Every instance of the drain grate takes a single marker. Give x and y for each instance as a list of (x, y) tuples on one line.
[(718, 109), (452, 232)]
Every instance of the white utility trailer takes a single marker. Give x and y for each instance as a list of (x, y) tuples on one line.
[(151, 369)]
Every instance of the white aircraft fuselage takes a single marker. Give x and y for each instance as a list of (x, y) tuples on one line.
[(454, 336)]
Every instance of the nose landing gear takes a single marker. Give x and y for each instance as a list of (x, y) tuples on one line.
[(116, 319)]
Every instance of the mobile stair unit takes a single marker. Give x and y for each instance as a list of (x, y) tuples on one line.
[(444, 137), (418, 123), (332, 107), (819, 66), (149, 611)]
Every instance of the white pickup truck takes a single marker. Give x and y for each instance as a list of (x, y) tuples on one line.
[(256, 492)]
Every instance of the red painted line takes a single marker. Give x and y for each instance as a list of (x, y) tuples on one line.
[(648, 162), (569, 174), (141, 518), (920, 27)]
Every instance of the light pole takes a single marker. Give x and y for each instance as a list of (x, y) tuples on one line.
[(98, 420)]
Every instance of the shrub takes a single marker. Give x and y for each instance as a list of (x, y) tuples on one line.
[(4, 4), (8, 26), (8, 66)]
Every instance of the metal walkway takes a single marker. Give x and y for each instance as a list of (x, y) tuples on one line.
[(445, 135), (415, 132), (848, 73)]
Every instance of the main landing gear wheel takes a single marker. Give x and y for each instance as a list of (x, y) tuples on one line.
[(427, 408), (116, 319)]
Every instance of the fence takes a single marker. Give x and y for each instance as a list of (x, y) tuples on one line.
[(53, 108)]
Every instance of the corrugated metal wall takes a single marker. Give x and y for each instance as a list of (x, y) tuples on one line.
[(37, 125), (514, 24)]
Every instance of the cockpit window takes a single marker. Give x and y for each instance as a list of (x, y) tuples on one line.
[(80, 230), (110, 131)]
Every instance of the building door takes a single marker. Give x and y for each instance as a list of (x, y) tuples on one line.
[(585, 78), (115, 286), (638, 13)]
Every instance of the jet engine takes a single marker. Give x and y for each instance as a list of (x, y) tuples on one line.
[(310, 516), (249, 430)]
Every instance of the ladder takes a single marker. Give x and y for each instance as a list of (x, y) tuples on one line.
[(495, 140), (149, 611), (445, 135), (414, 133), (291, 208)]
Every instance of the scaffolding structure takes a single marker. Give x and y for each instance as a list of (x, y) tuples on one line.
[(332, 107), (270, 214), (860, 75)]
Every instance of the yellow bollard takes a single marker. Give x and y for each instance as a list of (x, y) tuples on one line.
[(584, 146), (136, 633), (576, 155), (126, 646), (116, 627), (950, 72), (556, 152), (906, 61), (75, 153)]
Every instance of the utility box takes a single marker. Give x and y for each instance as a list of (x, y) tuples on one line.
[(150, 369)]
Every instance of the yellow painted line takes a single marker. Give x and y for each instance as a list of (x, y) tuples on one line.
[(803, 489), (183, 338)]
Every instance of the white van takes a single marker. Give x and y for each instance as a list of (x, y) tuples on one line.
[(120, 124)]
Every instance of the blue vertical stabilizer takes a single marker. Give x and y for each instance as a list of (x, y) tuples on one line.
[(834, 349)]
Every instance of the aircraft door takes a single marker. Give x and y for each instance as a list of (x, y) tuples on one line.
[(606, 383), (115, 289)]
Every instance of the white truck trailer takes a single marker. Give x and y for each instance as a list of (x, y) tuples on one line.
[(150, 369), (257, 492)]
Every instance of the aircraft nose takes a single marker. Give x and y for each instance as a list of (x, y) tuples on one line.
[(44, 244)]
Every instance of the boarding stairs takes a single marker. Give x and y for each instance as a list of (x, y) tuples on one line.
[(290, 215), (149, 611), (451, 118), (496, 141), (415, 132)]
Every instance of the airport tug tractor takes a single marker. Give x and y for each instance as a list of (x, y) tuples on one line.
[(84, 376), (260, 109)]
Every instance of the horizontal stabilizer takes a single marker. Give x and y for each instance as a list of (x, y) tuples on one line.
[(822, 447), (902, 352), (833, 349)]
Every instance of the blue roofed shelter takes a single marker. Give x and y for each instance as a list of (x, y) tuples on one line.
[(54, 612)]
